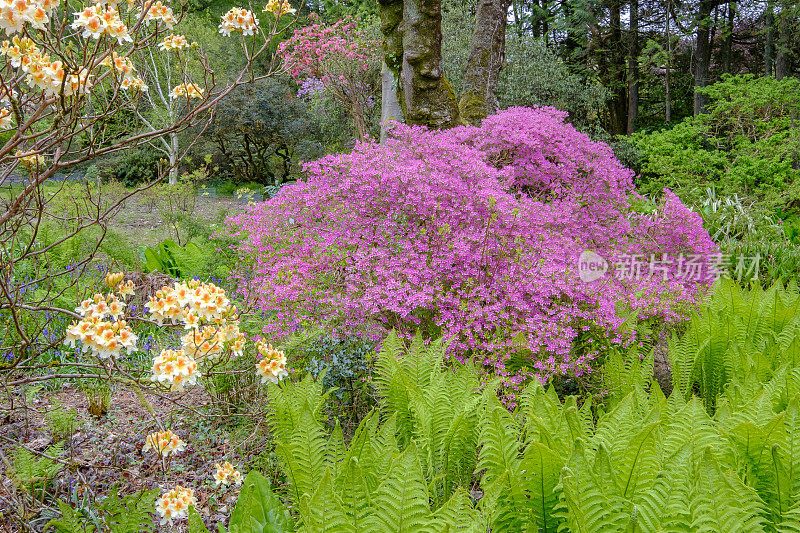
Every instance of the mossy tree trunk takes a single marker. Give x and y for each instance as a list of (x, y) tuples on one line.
[(486, 56), (412, 30)]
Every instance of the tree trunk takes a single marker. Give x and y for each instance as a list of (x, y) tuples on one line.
[(727, 45), (486, 55), (173, 158), (633, 67), (782, 53), (390, 105), (703, 54), (428, 98), (617, 79), (668, 66), (769, 42)]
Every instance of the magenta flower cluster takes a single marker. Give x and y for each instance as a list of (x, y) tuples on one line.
[(316, 50), (473, 233), (342, 59)]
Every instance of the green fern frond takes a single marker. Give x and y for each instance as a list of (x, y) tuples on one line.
[(323, 512), (71, 521), (542, 469), (303, 454), (356, 495), (721, 502), (587, 505), (459, 515), (401, 501)]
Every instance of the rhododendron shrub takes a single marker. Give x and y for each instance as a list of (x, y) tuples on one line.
[(474, 233), (340, 57)]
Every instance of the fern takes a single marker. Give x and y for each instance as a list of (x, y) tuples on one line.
[(323, 512), (130, 514), (721, 502), (71, 521), (401, 501)]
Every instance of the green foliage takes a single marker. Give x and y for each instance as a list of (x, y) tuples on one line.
[(61, 422), (748, 142), (262, 131), (639, 462), (117, 514), (258, 509), (534, 75), (192, 259), (735, 335), (131, 167), (33, 474)]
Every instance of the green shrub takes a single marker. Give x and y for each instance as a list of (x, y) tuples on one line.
[(747, 143), (132, 167)]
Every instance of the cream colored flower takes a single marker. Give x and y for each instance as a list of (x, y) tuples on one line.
[(272, 367), (174, 504), (238, 19), (174, 42), (159, 12), (186, 90), (227, 474), (164, 443), (174, 368)]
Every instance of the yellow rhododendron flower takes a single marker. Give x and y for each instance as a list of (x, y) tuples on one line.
[(30, 160), (238, 19), (14, 14), (174, 42), (96, 333), (160, 12), (186, 90), (174, 505), (112, 280), (174, 368), (227, 474), (164, 443), (279, 8), (272, 367), (99, 19)]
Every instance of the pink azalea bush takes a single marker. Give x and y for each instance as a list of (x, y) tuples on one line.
[(474, 234), (342, 58)]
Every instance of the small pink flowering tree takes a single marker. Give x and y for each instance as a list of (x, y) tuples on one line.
[(475, 234), (343, 59)]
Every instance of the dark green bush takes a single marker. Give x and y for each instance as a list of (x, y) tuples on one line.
[(133, 168), (748, 143)]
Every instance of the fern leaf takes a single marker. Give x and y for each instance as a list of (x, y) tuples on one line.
[(401, 501), (323, 512)]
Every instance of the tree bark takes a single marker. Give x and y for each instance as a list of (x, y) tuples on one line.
[(769, 42), (428, 98), (616, 71), (702, 54), (486, 56), (668, 66), (633, 67), (727, 49), (390, 105), (782, 53)]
